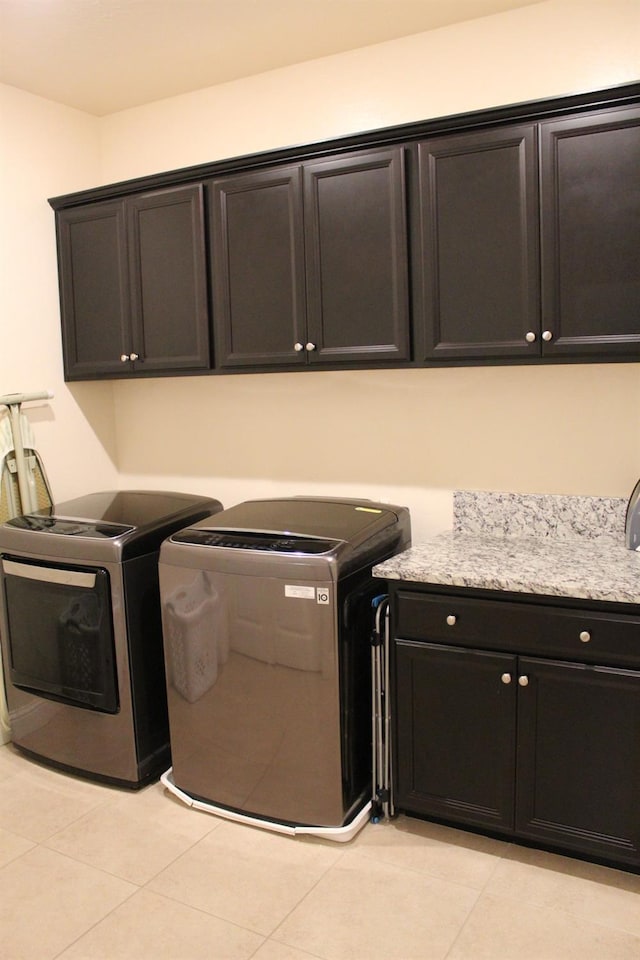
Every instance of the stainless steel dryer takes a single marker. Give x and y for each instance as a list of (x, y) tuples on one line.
[(267, 620), (81, 631)]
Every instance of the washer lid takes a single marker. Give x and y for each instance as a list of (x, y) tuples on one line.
[(347, 520), (115, 509)]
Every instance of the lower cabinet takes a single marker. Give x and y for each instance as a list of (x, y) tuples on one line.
[(543, 749)]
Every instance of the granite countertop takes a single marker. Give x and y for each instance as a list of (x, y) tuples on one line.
[(552, 546), (600, 569)]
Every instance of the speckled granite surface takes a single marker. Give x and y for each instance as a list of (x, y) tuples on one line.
[(538, 515), (553, 546)]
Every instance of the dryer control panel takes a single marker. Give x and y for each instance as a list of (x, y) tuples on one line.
[(69, 527)]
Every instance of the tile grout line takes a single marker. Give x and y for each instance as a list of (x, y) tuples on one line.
[(342, 854), (480, 894), (97, 923)]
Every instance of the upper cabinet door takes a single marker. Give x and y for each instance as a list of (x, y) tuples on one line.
[(133, 285), (167, 269), (591, 234), (355, 247), (476, 239), (92, 258), (258, 268)]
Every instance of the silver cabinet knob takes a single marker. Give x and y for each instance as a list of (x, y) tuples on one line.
[(452, 619), (310, 347), (298, 347), (523, 681), (585, 636), (547, 335), (124, 357), (506, 678), (530, 337), (134, 356)]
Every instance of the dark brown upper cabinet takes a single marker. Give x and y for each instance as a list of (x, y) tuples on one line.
[(591, 234), (477, 292), (309, 263), (356, 257), (509, 235), (257, 256), (133, 285), (476, 288)]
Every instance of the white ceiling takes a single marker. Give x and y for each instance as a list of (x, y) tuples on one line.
[(101, 56)]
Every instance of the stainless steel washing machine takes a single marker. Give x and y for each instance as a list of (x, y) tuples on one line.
[(81, 631), (267, 621)]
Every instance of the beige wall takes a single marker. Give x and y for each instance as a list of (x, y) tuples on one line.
[(548, 49), (45, 150), (407, 436)]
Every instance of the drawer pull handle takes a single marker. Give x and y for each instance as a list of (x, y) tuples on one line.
[(451, 619), (523, 681), (585, 636), (506, 678)]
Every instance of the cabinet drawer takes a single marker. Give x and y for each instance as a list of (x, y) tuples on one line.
[(521, 628)]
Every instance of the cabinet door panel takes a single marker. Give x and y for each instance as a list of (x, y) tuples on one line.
[(258, 268), (93, 288), (355, 241), (168, 280), (477, 217), (579, 757), (591, 233), (455, 733)]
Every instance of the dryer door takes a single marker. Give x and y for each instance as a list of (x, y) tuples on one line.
[(59, 640)]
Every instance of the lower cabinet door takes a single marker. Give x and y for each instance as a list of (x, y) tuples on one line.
[(578, 770), (455, 715)]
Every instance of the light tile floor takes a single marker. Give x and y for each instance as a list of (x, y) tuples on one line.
[(93, 873)]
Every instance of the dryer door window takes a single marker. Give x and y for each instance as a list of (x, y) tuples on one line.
[(60, 633)]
